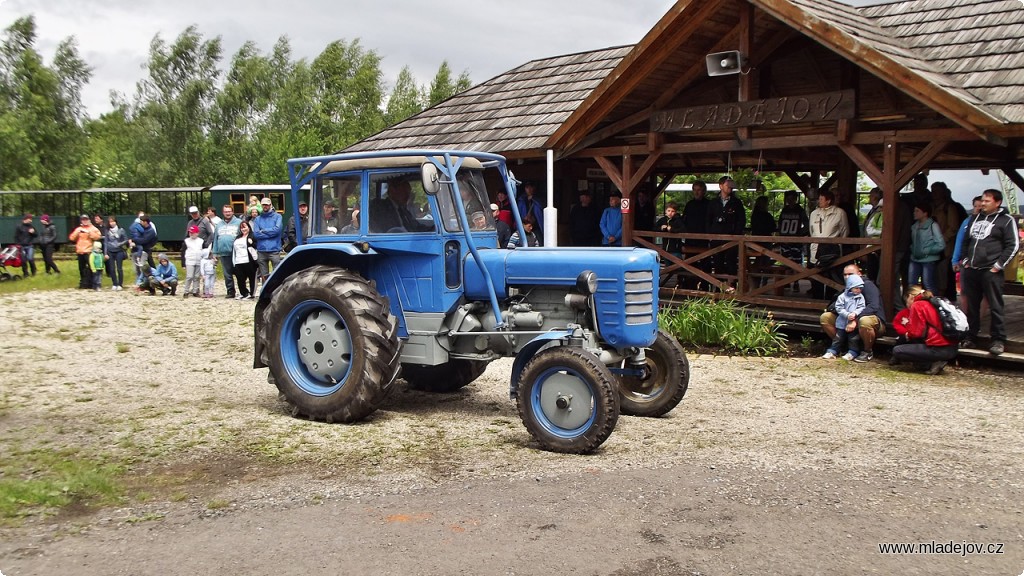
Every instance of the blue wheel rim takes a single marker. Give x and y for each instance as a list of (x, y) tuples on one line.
[(316, 348), (553, 382)]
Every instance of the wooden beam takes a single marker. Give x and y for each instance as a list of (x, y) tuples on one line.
[(1014, 176), (609, 130), (888, 279), (611, 170), (645, 169), (864, 162), (918, 163)]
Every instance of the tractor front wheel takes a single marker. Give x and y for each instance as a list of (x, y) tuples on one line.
[(666, 375), (568, 400)]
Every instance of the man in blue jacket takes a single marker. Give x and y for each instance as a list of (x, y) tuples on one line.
[(223, 241), (611, 221), (267, 230), (991, 242)]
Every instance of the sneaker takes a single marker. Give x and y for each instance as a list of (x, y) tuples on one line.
[(997, 348), (250, 297), (185, 295), (230, 297), (968, 343), (174, 290), (936, 367), (849, 356), (865, 357), (894, 361), (113, 288), (829, 355), (239, 297)]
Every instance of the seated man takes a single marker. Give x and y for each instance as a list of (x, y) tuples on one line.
[(391, 214), (870, 322)]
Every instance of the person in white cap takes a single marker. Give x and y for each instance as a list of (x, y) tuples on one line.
[(205, 228), (504, 232)]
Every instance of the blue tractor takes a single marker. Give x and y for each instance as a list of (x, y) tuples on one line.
[(402, 275)]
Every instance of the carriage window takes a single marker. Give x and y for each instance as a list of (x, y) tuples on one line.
[(336, 205)]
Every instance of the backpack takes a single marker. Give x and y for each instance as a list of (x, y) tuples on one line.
[(954, 321)]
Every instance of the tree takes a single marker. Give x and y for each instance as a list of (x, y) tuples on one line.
[(173, 103), (40, 112), (406, 99), (442, 87)]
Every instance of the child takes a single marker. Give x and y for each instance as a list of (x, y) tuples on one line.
[(209, 269), (531, 237), (849, 305), (193, 257), (96, 264)]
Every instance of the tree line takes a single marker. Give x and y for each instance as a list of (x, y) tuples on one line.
[(189, 123)]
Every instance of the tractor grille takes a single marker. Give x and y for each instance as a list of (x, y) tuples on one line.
[(639, 297)]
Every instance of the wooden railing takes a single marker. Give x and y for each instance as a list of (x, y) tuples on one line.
[(751, 283)]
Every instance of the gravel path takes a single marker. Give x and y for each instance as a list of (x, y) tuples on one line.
[(769, 465)]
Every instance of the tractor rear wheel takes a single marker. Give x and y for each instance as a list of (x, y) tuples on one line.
[(663, 384), (332, 344), (443, 378), (568, 400)]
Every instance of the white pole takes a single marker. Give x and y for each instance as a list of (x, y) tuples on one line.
[(550, 212)]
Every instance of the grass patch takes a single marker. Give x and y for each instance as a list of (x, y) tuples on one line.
[(724, 325), (123, 348), (42, 482)]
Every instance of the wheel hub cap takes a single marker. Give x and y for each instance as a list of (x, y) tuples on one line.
[(566, 400), (324, 346)]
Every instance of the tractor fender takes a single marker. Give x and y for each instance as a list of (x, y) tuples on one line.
[(528, 351), (342, 254)]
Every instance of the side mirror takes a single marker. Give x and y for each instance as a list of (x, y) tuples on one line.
[(431, 178)]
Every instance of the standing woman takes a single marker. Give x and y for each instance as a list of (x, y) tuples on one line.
[(48, 240), (926, 247), (243, 258), (115, 250)]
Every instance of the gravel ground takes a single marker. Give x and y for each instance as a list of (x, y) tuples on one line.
[(768, 466)]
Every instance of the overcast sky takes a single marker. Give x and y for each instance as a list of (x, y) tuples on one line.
[(491, 38)]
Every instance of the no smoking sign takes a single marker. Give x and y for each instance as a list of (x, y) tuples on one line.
[(624, 206)]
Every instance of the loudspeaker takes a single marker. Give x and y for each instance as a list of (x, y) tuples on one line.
[(724, 63)]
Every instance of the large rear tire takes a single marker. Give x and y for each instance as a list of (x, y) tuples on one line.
[(331, 344), (568, 400), (443, 378), (664, 383)]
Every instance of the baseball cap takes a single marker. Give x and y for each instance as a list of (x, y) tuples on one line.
[(83, 217), (192, 209), (45, 217), (193, 229), (266, 202), (494, 206)]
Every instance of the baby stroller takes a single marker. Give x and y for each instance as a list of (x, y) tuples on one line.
[(10, 256)]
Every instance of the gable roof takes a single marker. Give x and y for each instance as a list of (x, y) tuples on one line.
[(961, 58), (516, 111)]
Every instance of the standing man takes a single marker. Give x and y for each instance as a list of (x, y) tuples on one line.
[(48, 240), (873, 229), (204, 225), (992, 240), (83, 236), (303, 225), (504, 232), (584, 222), (695, 221), (223, 243), (611, 221), (267, 230), (25, 235), (793, 222), (528, 204), (643, 215), (827, 221), (726, 215)]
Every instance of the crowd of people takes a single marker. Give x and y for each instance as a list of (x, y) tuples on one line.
[(245, 247)]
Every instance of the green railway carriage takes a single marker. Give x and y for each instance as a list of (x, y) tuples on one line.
[(167, 207)]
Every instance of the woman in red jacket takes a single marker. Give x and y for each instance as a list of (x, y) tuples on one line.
[(923, 330)]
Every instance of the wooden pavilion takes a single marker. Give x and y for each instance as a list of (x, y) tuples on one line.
[(819, 87)]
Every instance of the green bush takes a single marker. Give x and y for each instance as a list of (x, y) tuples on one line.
[(724, 325)]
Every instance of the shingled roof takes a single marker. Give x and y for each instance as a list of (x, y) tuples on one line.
[(963, 58), (517, 110)]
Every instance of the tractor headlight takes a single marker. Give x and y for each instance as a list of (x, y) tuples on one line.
[(586, 282)]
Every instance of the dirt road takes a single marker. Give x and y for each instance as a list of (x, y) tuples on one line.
[(768, 467)]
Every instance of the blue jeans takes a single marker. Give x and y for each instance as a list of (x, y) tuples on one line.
[(925, 272), (229, 270)]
